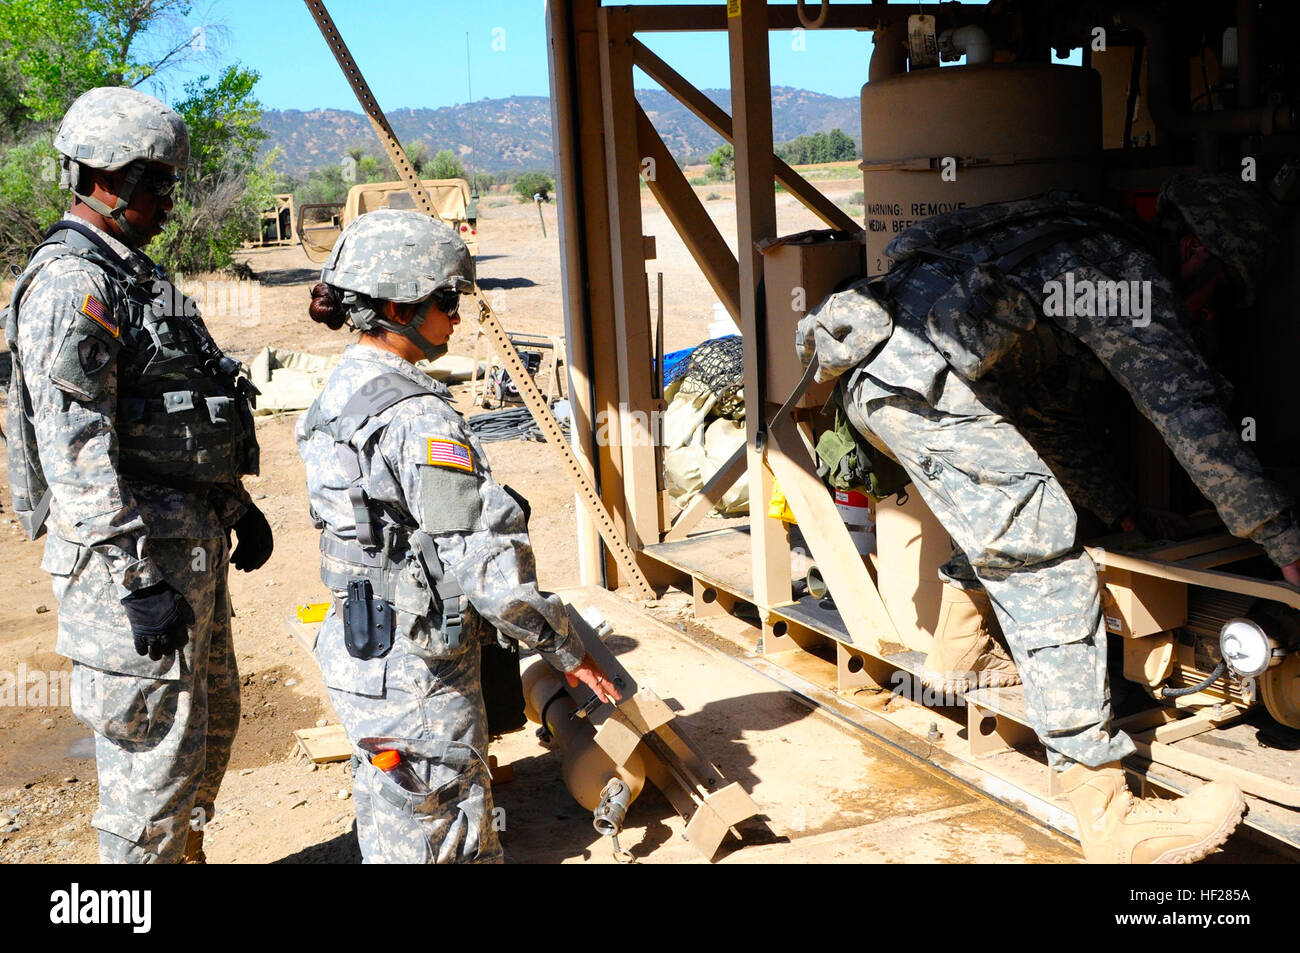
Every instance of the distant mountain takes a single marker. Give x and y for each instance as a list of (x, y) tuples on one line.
[(515, 134)]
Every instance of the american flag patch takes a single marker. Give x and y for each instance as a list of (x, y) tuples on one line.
[(94, 309), (450, 453)]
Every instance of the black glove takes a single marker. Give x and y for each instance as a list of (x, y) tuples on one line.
[(158, 615), (255, 542)]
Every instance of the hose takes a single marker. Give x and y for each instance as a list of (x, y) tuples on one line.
[(512, 423), (1209, 680)]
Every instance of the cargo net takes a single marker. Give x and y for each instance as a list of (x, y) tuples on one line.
[(719, 366)]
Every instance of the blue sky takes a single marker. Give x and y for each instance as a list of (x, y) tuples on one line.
[(424, 66)]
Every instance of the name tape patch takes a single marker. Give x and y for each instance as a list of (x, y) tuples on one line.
[(449, 453), (94, 309)]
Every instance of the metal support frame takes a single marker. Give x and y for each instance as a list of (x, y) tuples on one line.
[(604, 141)]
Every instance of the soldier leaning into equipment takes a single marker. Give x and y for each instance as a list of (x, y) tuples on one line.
[(935, 361), (420, 547), (129, 432)]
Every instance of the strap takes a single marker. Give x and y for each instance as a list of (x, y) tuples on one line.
[(451, 597), (371, 399)]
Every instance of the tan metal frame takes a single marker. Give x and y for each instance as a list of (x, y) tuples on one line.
[(602, 137)]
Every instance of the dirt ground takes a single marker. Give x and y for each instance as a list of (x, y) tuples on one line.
[(823, 794)]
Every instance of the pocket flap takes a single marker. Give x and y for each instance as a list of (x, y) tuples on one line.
[(61, 555)]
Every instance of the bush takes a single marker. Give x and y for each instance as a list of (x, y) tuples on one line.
[(712, 197), (722, 164), (30, 197), (530, 183), (445, 165), (222, 194)]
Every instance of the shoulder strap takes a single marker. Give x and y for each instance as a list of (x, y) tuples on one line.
[(372, 398)]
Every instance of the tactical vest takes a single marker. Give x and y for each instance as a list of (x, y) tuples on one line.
[(184, 414), (953, 278), (384, 551)]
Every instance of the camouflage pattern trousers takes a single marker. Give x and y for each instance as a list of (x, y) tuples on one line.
[(1005, 511), (431, 712), (161, 744)]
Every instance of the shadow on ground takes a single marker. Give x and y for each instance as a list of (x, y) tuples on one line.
[(545, 825)]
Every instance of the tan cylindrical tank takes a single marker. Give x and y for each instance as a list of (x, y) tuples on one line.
[(1013, 129), (586, 767)]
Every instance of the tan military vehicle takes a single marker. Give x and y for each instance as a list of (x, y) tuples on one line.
[(319, 224)]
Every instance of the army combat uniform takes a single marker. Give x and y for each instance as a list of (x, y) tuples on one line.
[(142, 439), (927, 357), (442, 527)]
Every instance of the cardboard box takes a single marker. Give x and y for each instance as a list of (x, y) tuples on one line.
[(1135, 606), (814, 262)]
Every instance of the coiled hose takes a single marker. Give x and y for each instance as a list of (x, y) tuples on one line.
[(511, 423)]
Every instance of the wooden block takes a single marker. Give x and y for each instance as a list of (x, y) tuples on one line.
[(500, 773), (1136, 605), (323, 745), (304, 635), (618, 739), (717, 814)]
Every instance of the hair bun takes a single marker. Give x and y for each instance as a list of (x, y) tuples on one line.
[(327, 306)]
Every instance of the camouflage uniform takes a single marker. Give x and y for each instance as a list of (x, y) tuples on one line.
[(423, 697), (163, 729), (932, 383), (122, 404)]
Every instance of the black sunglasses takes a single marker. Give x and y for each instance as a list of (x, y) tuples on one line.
[(161, 184)]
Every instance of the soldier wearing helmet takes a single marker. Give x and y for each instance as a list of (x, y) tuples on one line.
[(130, 432), (420, 547), (971, 364)]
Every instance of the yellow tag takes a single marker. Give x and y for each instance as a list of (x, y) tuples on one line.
[(449, 453), (733, 8)]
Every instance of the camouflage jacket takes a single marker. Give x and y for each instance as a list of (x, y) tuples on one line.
[(929, 333), (478, 528), (76, 356)]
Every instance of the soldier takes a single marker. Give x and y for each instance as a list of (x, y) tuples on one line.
[(934, 361), (420, 547), (128, 436)]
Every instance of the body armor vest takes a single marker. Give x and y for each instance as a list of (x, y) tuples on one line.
[(397, 560), (184, 415)]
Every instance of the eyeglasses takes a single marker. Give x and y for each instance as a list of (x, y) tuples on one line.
[(161, 184), (449, 305)]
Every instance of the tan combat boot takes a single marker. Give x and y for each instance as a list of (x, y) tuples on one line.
[(966, 652), (1117, 828), (194, 849)]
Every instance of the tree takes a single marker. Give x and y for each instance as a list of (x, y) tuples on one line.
[(51, 51), (60, 48), (419, 155), (445, 165), (226, 186), (533, 183), (722, 164)]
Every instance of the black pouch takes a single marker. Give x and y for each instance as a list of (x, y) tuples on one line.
[(503, 686), (367, 622)]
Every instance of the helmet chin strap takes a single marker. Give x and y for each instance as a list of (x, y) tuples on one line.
[(411, 331), (129, 234)]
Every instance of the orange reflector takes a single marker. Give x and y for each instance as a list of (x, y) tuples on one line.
[(386, 760)]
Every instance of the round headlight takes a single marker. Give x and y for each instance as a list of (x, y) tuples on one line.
[(1246, 647)]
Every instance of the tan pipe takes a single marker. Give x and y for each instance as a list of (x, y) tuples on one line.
[(888, 52), (586, 767)]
